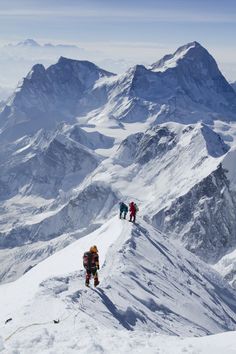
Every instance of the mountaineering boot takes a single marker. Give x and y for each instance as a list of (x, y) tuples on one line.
[(96, 281), (96, 284)]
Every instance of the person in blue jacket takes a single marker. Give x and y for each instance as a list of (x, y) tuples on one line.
[(123, 209)]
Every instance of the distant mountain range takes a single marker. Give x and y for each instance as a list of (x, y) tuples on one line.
[(31, 43)]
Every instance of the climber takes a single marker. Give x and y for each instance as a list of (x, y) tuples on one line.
[(91, 264), (133, 210), (123, 209)]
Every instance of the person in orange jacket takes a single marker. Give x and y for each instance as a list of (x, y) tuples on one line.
[(91, 264)]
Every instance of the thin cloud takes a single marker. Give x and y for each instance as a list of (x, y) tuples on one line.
[(139, 15)]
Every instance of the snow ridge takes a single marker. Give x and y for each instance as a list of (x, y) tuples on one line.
[(154, 287)]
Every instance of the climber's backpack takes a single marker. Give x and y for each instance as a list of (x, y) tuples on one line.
[(87, 258)]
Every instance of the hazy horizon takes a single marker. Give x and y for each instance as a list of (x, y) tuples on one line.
[(113, 35)]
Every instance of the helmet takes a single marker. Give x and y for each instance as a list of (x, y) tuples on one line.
[(93, 249)]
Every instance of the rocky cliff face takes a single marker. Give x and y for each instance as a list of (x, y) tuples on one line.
[(204, 219)]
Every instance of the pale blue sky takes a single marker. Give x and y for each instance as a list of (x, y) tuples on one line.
[(136, 30)]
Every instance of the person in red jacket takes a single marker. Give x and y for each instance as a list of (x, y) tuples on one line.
[(132, 210), (91, 264)]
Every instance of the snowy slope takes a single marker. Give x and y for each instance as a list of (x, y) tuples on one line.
[(227, 268), (44, 164), (167, 147), (119, 342), (146, 285), (38, 174), (28, 242)]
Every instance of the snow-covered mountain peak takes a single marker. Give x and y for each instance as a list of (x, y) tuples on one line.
[(137, 69), (193, 44), (124, 81), (66, 72), (80, 64), (188, 53), (48, 96), (185, 49), (185, 87), (215, 145)]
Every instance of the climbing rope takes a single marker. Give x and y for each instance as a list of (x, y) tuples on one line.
[(21, 329), (55, 321)]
